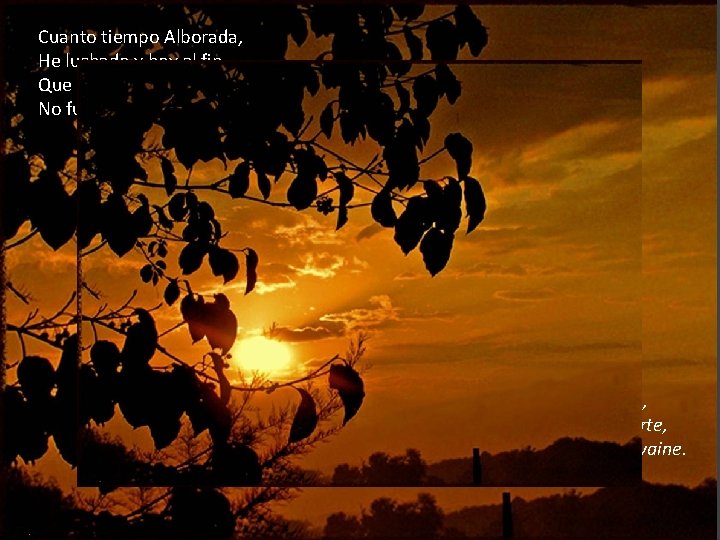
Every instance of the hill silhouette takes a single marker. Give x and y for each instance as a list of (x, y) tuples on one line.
[(648, 511), (571, 462)]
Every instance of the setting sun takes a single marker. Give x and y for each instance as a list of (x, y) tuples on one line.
[(258, 353)]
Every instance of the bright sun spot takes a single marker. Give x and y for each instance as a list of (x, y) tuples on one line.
[(258, 353)]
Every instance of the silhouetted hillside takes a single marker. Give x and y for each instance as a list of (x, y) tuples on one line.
[(647, 511), (567, 462), (571, 462)]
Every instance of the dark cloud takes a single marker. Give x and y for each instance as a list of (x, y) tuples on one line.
[(368, 232)]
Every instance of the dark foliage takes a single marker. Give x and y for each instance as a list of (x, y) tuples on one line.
[(252, 113), (647, 511), (389, 519), (40, 510)]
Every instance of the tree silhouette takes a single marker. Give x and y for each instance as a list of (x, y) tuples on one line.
[(389, 519), (382, 469), (121, 177)]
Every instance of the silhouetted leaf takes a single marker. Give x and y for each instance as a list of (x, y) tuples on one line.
[(172, 292), (163, 220), (140, 341), (449, 213), (442, 40), (327, 120), (36, 377), (239, 181), (191, 257), (263, 184), (165, 432), (435, 248), (403, 97), (192, 130), (134, 395), (298, 26), (169, 178), (425, 90), (400, 156), (379, 114), (66, 372), (146, 273), (350, 386), (422, 128), (217, 415), (414, 44), (212, 320), (166, 405), (352, 126), (142, 220), (475, 204), (117, 225), (220, 323), (192, 310), (306, 418), (251, 263), (219, 367), (447, 83), (223, 263), (177, 207), (95, 401), (52, 211), (302, 191), (412, 223), (105, 358), (347, 191), (460, 149), (469, 29), (381, 209)]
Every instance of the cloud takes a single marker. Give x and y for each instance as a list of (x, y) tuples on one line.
[(263, 287), (527, 295), (678, 362), (563, 348), (478, 269), (324, 330), (381, 312), (321, 265), (307, 232), (577, 227), (368, 232)]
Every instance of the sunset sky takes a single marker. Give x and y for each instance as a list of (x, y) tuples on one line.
[(588, 291)]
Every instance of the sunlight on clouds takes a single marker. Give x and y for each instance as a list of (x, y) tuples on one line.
[(658, 90), (308, 232), (658, 138), (321, 265), (383, 311), (570, 142), (266, 288)]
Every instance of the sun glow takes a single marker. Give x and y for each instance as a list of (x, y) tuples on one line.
[(258, 353)]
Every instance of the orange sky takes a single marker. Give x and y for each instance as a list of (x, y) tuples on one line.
[(597, 257)]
